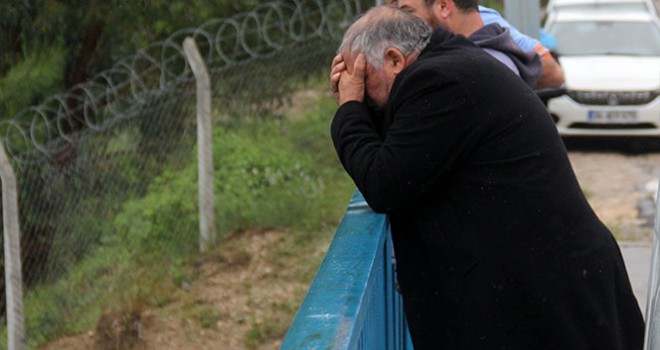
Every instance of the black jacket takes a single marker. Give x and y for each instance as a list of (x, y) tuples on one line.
[(496, 246)]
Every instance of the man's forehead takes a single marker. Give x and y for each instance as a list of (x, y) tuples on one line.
[(349, 60)]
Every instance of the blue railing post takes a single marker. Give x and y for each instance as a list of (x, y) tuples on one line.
[(353, 303)]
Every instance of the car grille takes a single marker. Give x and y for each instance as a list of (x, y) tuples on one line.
[(613, 98), (616, 126)]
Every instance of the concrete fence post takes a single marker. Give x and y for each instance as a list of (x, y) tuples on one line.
[(204, 145), (13, 275)]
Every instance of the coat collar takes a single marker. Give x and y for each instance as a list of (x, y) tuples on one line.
[(439, 38)]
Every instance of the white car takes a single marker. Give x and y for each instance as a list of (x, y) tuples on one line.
[(557, 6), (611, 64)]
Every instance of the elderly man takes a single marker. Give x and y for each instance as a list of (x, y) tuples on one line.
[(484, 27), (496, 246)]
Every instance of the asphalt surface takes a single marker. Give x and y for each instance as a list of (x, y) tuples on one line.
[(637, 256)]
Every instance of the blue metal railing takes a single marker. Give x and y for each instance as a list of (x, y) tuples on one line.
[(353, 303)]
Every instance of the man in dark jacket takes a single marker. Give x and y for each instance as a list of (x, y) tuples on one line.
[(496, 246)]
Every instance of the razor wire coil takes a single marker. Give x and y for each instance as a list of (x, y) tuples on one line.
[(113, 93)]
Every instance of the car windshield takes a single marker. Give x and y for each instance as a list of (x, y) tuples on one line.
[(607, 38)]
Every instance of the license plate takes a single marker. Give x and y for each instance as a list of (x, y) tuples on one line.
[(612, 116)]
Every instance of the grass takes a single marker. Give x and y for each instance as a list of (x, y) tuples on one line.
[(202, 312), (295, 259), (269, 173), (270, 329)]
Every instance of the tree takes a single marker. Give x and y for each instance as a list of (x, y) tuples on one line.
[(48, 46)]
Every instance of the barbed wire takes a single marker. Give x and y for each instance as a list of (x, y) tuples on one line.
[(41, 132), (89, 160)]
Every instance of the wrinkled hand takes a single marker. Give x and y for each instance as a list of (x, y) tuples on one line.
[(347, 86), (338, 66)]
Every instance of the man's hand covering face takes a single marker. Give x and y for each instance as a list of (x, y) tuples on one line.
[(346, 86)]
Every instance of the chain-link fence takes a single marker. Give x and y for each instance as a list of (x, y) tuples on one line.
[(85, 160)]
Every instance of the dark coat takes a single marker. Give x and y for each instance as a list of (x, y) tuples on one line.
[(496, 245)]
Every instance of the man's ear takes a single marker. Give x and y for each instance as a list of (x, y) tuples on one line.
[(442, 8), (395, 60)]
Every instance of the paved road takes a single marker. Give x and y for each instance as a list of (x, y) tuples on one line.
[(637, 256)]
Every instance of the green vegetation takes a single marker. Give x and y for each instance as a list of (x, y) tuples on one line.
[(202, 312), (263, 332), (48, 46), (280, 172)]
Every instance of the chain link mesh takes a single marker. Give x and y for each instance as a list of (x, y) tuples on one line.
[(84, 156)]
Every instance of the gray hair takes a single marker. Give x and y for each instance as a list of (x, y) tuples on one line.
[(386, 27)]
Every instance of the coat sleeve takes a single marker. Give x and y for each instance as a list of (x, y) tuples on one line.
[(434, 129)]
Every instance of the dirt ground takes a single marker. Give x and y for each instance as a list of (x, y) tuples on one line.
[(243, 301), (619, 185)]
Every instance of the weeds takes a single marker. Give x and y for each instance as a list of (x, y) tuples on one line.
[(279, 173)]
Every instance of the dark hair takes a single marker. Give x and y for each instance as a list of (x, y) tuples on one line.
[(464, 5)]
